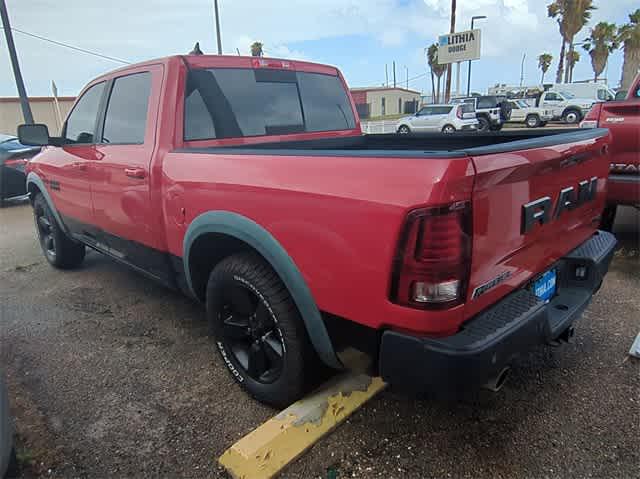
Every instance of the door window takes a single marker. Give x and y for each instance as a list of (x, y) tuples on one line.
[(81, 123), (441, 110), (552, 97), (126, 118)]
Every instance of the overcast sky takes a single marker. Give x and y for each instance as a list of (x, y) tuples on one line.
[(358, 36)]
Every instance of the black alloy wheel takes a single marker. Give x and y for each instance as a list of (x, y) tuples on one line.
[(44, 225), (251, 333)]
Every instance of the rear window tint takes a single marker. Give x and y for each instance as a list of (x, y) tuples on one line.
[(468, 108), (232, 102)]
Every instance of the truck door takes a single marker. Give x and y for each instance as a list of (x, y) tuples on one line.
[(121, 179), (67, 175), (553, 101)]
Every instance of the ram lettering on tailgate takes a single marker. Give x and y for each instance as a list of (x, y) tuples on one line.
[(541, 211)]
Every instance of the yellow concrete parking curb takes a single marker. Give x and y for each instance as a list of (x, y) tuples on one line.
[(266, 450)]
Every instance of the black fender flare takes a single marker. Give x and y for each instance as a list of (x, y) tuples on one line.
[(34, 179), (250, 232)]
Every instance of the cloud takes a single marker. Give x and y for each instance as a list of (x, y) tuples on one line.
[(142, 29)]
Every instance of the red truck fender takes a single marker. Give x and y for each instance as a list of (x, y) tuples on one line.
[(249, 232), (35, 183)]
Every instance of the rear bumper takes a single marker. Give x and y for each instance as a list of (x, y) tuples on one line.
[(623, 189), (490, 341)]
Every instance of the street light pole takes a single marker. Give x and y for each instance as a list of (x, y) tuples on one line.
[(215, 7), (476, 17), (22, 93)]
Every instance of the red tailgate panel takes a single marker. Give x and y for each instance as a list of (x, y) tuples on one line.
[(507, 181)]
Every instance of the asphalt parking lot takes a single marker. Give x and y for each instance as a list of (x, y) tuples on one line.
[(112, 375)]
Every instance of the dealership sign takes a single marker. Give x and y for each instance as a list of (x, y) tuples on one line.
[(459, 47)]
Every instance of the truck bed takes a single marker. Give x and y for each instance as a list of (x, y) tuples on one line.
[(427, 145)]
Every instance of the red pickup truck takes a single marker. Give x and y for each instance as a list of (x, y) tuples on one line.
[(622, 118), (246, 183)]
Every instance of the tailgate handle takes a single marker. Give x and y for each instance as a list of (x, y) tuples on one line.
[(138, 173)]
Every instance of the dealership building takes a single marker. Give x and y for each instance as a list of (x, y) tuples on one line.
[(43, 108), (384, 101)]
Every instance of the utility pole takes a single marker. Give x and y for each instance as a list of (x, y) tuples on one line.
[(476, 17), (386, 75), (452, 30), (407, 71), (522, 70), (394, 73), (22, 93), (458, 78), (215, 8)]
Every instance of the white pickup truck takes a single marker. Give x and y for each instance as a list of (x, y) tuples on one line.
[(532, 116), (565, 106)]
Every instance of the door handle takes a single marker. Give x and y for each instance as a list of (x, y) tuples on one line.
[(138, 173)]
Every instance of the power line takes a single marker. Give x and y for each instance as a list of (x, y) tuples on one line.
[(66, 45)]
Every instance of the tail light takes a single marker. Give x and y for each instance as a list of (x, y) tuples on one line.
[(433, 259), (459, 112), (591, 120)]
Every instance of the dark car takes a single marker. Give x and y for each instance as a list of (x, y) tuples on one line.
[(13, 158)]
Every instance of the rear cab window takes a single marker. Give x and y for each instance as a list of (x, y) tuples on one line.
[(244, 102), (126, 116)]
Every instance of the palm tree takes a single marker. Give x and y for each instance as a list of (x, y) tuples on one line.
[(573, 57), (256, 49), (555, 10), (601, 42), (544, 62), (451, 30), (572, 16), (437, 69), (629, 37), (432, 60)]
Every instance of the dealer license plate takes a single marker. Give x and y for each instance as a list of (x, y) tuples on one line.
[(545, 286)]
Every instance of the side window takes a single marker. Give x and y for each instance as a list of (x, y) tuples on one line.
[(81, 123), (126, 118), (442, 110), (552, 97), (488, 102)]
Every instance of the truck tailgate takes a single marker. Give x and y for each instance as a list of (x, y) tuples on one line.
[(533, 202)]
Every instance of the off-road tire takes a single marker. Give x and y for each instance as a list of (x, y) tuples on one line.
[(608, 217), (505, 110), (298, 362), (65, 253), (13, 469), (483, 124)]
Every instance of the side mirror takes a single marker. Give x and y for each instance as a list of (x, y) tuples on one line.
[(36, 134)]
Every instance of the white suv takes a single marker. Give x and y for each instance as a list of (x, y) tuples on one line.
[(444, 118)]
